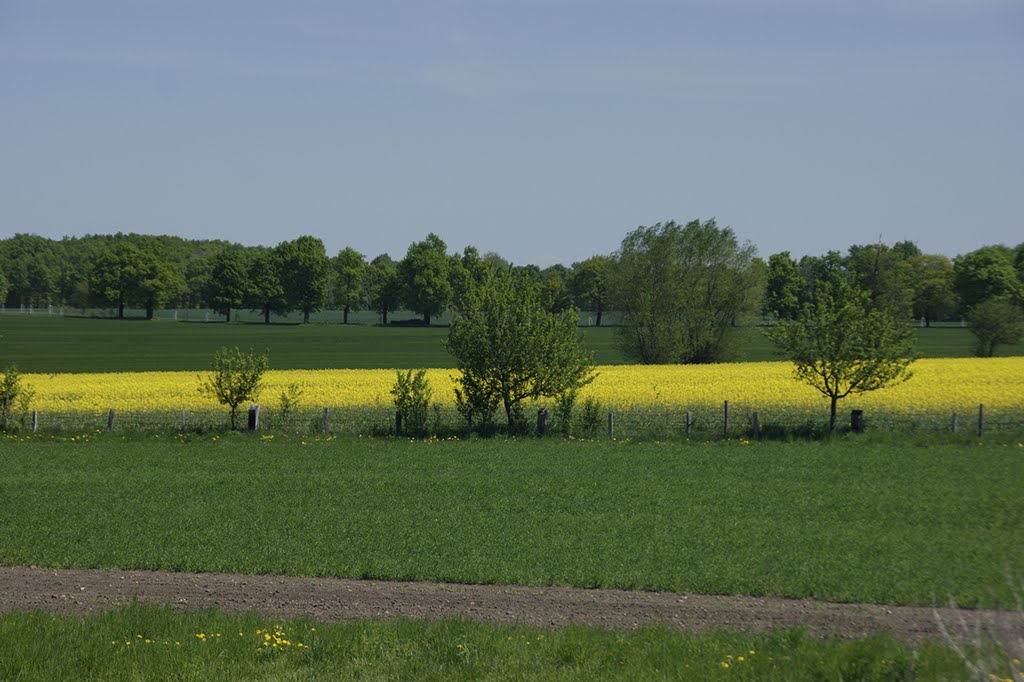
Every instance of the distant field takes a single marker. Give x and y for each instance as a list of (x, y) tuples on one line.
[(48, 344), (856, 520)]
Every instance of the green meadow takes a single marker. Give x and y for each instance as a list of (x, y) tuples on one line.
[(41, 343)]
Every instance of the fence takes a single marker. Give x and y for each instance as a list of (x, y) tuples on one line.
[(728, 420)]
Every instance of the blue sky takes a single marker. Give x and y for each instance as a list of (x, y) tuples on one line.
[(544, 131)]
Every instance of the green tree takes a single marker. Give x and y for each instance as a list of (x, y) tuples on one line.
[(590, 285), (411, 393), (309, 272), (784, 290), (4, 286), (159, 281), (883, 274), (680, 290), (553, 286), (466, 273), (841, 344), (266, 291), (350, 270), (508, 349), (383, 287), (229, 281), (236, 378), (995, 322), (424, 275), (987, 273), (10, 390), (932, 279), (116, 276)]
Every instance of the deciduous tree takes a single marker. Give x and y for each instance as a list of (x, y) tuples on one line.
[(349, 270), (995, 322), (841, 344), (680, 290), (308, 273), (508, 349), (424, 273)]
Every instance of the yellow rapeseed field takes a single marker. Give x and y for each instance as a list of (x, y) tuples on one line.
[(937, 385)]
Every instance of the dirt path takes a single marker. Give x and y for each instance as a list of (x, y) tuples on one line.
[(332, 599)]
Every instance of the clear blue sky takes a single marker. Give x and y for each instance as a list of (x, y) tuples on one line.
[(542, 130)]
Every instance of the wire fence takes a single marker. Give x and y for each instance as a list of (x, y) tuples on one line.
[(591, 420)]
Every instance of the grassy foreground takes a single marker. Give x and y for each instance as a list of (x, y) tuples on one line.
[(854, 520), (51, 344), (157, 643)]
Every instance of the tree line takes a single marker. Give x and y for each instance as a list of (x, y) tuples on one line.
[(680, 289)]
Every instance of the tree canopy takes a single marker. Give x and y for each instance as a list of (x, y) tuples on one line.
[(508, 348), (681, 289)]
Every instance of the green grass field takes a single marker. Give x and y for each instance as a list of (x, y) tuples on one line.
[(48, 344), (157, 643), (852, 520)]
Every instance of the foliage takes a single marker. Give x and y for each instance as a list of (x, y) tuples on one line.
[(993, 323), (883, 274), (289, 400), (987, 273), (590, 284), (115, 276), (383, 288), (11, 391), (933, 285), (4, 287), (784, 289), (680, 290), (424, 273), (308, 274), (349, 273), (266, 291), (229, 281), (841, 345), (236, 378), (507, 348), (412, 393)]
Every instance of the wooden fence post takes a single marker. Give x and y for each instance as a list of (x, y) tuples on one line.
[(952, 426), (611, 425), (542, 422), (325, 420), (689, 423), (981, 419), (254, 417), (110, 420)]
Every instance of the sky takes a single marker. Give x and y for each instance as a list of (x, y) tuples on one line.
[(543, 130)]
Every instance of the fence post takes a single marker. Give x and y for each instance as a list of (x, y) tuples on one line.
[(183, 421), (611, 425), (325, 420), (542, 422), (689, 423), (254, 417), (981, 419), (857, 421), (398, 423), (110, 420), (952, 426), (35, 421), (756, 427), (725, 426)]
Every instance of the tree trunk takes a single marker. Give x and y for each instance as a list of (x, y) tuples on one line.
[(426, 319), (384, 316), (832, 418), (149, 309), (228, 315), (120, 309), (344, 316), (598, 317), (266, 314), (305, 317)]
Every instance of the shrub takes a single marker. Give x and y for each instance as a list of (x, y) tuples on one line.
[(236, 378), (412, 395)]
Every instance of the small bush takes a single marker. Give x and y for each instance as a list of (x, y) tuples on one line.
[(236, 378), (12, 394), (412, 395)]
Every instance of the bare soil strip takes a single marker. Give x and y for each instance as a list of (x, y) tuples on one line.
[(333, 599)]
